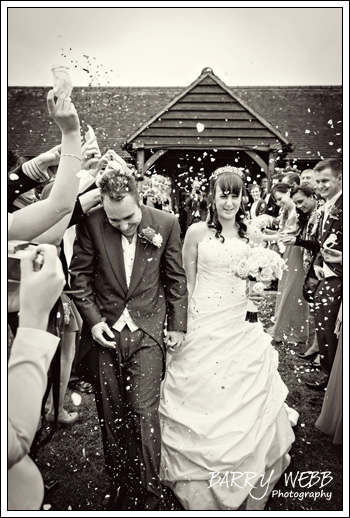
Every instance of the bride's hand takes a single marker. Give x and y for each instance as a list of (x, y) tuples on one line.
[(174, 340)]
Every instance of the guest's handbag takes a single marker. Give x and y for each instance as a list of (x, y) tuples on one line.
[(310, 285)]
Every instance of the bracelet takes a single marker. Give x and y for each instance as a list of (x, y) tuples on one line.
[(74, 156)]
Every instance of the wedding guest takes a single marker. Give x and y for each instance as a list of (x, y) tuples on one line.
[(272, 208), (330, 421), (32, 351), (196, 205), (167, 202), (206, 432), (308, 220), (328, 264), (291, 311), (258, 205), (307, 178), (157, 184), (24, 175), (38, 217), (292, 179), (264, 188), (127, 261), (71, 328)]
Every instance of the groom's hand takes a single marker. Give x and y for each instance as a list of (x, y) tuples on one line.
[(174, 339), (97, 332)]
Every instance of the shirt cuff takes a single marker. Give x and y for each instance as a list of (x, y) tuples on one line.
[(33, 171)]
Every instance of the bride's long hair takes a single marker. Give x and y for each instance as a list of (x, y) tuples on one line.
[(229, 179)]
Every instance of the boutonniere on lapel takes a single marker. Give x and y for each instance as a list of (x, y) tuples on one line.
[(334, 212), (149, 235)]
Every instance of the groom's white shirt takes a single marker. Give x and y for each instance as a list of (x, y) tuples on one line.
[(129, 250)]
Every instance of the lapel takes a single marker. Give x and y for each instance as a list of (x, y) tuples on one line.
[(330, 221), (112, 241), (143, 252)]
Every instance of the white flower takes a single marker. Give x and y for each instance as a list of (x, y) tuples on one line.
[(157, 240), (266, 274), (149, 234), (242, 269), (258, 287)]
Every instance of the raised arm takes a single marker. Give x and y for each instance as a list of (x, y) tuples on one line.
[(83, 204), (35, 219), (32, 350)]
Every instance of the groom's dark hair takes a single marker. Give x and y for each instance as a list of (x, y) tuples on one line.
[(116, 185)]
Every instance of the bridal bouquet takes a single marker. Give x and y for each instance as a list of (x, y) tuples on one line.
[(259, 265)]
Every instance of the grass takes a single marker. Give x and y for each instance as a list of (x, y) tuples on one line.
[(74, 456)]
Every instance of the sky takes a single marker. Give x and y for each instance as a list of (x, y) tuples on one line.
[(170, 46)]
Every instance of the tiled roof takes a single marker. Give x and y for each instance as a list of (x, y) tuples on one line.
[(310, 117), (208, 115)]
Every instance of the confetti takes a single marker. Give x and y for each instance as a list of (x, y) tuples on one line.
[(76, 398)]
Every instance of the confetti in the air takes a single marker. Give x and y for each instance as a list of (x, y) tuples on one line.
[(76, 398)]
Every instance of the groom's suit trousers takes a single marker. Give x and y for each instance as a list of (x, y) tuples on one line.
[(126, 383)]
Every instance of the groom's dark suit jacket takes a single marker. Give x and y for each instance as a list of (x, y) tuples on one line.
[(157, 286)]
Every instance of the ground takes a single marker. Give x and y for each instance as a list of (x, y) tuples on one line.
[(73, 459)]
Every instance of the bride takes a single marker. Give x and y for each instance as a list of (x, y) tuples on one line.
[(225, 427)]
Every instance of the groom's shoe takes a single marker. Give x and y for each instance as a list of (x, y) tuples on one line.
[(131, 502), (318, 385), (109, 500), (152, 504)]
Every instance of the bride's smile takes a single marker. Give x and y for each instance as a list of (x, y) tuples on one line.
[(227, 204)]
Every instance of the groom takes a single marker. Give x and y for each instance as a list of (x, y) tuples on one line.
[(127, 259)]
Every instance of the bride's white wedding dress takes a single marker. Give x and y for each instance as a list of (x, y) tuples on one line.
[(224, 423)]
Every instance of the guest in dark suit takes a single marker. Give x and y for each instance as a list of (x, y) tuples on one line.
[(307, 178), (264, 188), (272, 209), (328, 264), (127, 259), (258, 206)]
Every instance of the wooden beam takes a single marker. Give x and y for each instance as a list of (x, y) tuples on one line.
[(209, 124), (206, 147), (257, 158), (229, 106), (153, 159), (216, 97), (198, 115), (140, 160), (181, 131), (272, 163), (209, 142)]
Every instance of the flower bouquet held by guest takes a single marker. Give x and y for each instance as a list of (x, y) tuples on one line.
[(222, 406)]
